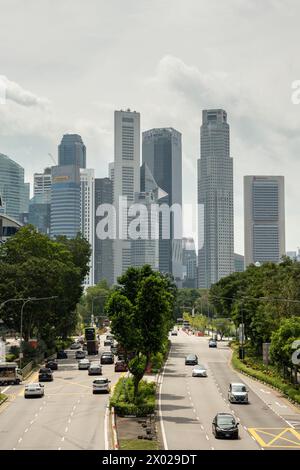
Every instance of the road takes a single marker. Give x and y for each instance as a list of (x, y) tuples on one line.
[(188, 404), (69, 417)]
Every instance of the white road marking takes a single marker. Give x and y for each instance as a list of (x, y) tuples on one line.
[(20, 440), (62, 439), (212, 448), (31, 422), (165, 444), (207, 438), (194, 410), (6, 388), (59, 448), (265, 391), (26, 430), (281, 406), (106, 443), (202, 427), (72, 413), (66, 430)]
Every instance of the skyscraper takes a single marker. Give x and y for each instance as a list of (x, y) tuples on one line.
[(215, 200), (65, 201), (189, 262), (72, 151), (163, 156), (103, 248), (40, 212), (264, 219), (126, 182), (42, 182), (13, 191), (87, 215)]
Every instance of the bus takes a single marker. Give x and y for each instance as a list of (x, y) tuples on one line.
[(91, 340)]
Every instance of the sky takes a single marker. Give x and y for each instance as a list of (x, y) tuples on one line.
[(68, 64)]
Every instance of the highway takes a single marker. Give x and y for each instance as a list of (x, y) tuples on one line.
[(69, 417), (188, 404)]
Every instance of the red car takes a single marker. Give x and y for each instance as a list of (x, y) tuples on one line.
[(121, 366)]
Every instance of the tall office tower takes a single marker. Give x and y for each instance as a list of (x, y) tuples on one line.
[(163, 156), (87, 216), (264, 219), (103, 247), (42, 182), (126, 182), (189, 263), (72, 151), (65, 201), (40, 211), (111, 174), (13, 191), (145, 248), (215, 200)]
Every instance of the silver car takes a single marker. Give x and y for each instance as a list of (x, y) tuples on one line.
[(238, 393), (84, 364), (101, 385), (199, 371), (95, 369), (34, 390)]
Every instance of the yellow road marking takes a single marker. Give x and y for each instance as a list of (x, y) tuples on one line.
[(74, 383), (259, 433)]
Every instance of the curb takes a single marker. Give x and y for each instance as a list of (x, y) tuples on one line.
[(115, 441), (3, 400)]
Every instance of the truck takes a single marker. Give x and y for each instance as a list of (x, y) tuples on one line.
[(91, 341), (10, 373)]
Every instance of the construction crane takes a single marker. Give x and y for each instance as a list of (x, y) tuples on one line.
[(52, 158)]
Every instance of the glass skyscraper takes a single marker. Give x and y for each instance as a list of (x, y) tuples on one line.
[(215, 200), (13, 190), (72, 151), (162, 154)]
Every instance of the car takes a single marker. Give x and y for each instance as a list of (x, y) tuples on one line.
[(225, 425), (212, 343), (107, 342), (110, 337), (45, 374), (84, 364), (51, 364), (191, 360), (80, 354), (174, 333), (95, 369), (75, 346), (101, 385), (107, 358), (121, 366), (34, 390), (62, 355), (238, 393), (199, 371)]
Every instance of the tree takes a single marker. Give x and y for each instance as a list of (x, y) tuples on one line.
[(281, 342), (32, 265), (93, 301), (141, 314)]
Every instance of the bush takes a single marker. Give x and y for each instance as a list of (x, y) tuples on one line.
[(123, 398), (11, 357)]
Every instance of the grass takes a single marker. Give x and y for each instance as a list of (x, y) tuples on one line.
[(138, 444), (3, 397)]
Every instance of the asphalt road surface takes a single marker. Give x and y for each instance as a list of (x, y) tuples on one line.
[(69, 417), (188, 404)]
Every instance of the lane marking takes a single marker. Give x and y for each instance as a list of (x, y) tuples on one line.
[(165, 444), (26, 430), (106, 421), (277, 436), (281, 406), (66, 430), (20, 440)]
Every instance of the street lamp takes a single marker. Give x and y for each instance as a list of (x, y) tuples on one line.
[(26, 301)]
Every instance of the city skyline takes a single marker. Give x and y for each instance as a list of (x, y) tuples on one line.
[(165, 79)]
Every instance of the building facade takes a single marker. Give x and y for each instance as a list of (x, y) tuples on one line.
[(126, 182), (72, 151), (239, 263), (87, 215), (13, 191), (215, 200), (42, 182), (189, 263), (103, 259), (65, 201), (40, 212), (264, 215), (162, 153)]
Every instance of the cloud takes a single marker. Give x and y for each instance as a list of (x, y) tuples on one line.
[(14, 92)]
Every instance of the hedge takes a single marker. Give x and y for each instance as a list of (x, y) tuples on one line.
[(123, 400), (291, 392)]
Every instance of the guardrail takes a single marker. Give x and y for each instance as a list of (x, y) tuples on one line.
[(27, 369)]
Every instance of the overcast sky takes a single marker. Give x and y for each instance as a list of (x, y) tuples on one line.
[(68, 64)]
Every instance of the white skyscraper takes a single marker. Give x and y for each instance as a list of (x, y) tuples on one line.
[(42, 182), (87, 215), (215, 199), (264, 216), (126, 182)]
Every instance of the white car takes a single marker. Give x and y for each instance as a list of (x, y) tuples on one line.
[(34, 390), (95, 369), (84, 364), (199, 371), (101, 385)]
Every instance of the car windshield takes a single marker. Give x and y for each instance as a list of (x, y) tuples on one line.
[(191, 356), (238, 388), (200, 366), (225, 420), (101, 382)]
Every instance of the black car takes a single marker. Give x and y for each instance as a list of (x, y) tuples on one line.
[(225, 425), (191, 360), (45, 375), (107, 358), (212, 343), (62, 355), (51, 365)]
